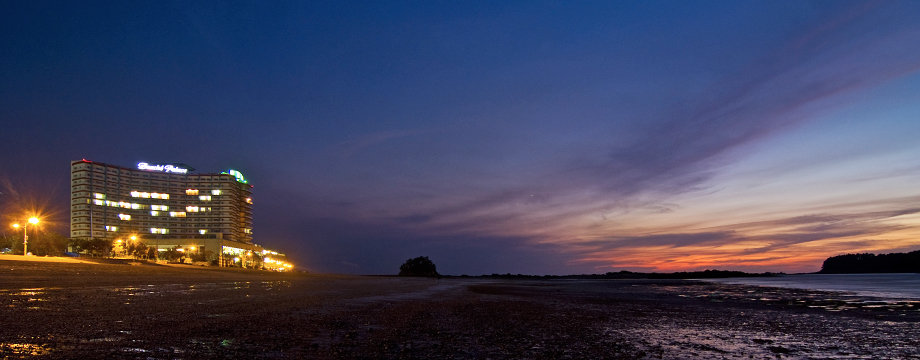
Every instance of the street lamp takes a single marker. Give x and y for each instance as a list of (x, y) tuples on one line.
[(25, 236)]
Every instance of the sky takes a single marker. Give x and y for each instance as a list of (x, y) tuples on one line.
[(533, 137)]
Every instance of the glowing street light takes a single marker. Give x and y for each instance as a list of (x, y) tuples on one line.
[(25, 236)]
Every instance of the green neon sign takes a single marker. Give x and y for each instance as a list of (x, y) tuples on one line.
[(238, 175)]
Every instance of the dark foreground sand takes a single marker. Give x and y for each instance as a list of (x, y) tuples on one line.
[(58, 310)]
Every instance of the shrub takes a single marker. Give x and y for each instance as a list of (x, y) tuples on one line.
[(420, 266)]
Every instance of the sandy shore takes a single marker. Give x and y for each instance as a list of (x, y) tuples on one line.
[(66, 310)]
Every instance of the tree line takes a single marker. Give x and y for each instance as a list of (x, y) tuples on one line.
[(52, 244), (40, 244), (872, 263), (423, 266)]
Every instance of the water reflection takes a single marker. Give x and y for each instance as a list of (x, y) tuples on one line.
[(25, 349), (813, 299)]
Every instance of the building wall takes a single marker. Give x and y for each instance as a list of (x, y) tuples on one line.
[(114, 202)]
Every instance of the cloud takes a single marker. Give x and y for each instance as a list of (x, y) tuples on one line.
[(579, 198), (681, 150), (661, 240), (777, 241)]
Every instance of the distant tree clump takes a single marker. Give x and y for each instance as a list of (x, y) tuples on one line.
[(93, 246), (420, 266), (871, 263), (137, 249)]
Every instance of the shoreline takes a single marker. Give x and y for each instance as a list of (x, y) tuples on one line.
[(120, 311)]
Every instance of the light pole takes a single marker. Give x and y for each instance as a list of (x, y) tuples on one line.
[(25, 236)]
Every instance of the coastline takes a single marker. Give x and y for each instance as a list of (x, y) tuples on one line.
[(120, 311)]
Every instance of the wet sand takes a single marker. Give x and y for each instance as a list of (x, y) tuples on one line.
[(64, 310)]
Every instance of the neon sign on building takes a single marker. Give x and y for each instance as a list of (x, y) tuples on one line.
[(170, 168), (238, 175)]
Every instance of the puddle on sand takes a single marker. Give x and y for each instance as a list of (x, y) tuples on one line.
[(190, 288)]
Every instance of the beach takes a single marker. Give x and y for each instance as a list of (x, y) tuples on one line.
[(82, 310)]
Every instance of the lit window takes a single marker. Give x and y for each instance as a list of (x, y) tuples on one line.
[(111, 228), (99, 196), (135, 194), (158, 231), (191, 208), (177, 213), (191, 192), (205, 198), (155, 213), (159, 196), (135, 206), (145, 195), (159, 207), (248, 231), (215, 192), (249, 200), (98, 202), (124, 217), (202, 231)]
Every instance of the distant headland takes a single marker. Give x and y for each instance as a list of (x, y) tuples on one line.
[(871, 263)]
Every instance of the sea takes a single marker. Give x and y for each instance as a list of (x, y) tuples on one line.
[(894, 286)]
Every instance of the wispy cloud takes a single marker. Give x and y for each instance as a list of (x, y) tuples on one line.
[(681, 150), (582, 199)]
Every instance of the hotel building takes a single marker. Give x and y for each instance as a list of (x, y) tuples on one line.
[(162, 205)]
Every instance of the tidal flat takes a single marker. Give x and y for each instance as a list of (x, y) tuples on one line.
[(64, 310)]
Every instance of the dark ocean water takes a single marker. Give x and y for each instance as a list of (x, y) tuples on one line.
[(898, 286)]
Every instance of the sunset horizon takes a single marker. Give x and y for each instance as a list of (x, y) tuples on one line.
[(532, 138)]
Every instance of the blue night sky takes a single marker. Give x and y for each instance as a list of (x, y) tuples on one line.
[(493, 137)]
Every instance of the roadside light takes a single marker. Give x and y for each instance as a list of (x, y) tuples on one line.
[(133, 237), (25, 237), (118, 241), (192, 248)]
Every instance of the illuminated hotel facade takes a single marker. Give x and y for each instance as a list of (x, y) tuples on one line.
[(162, 205)]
